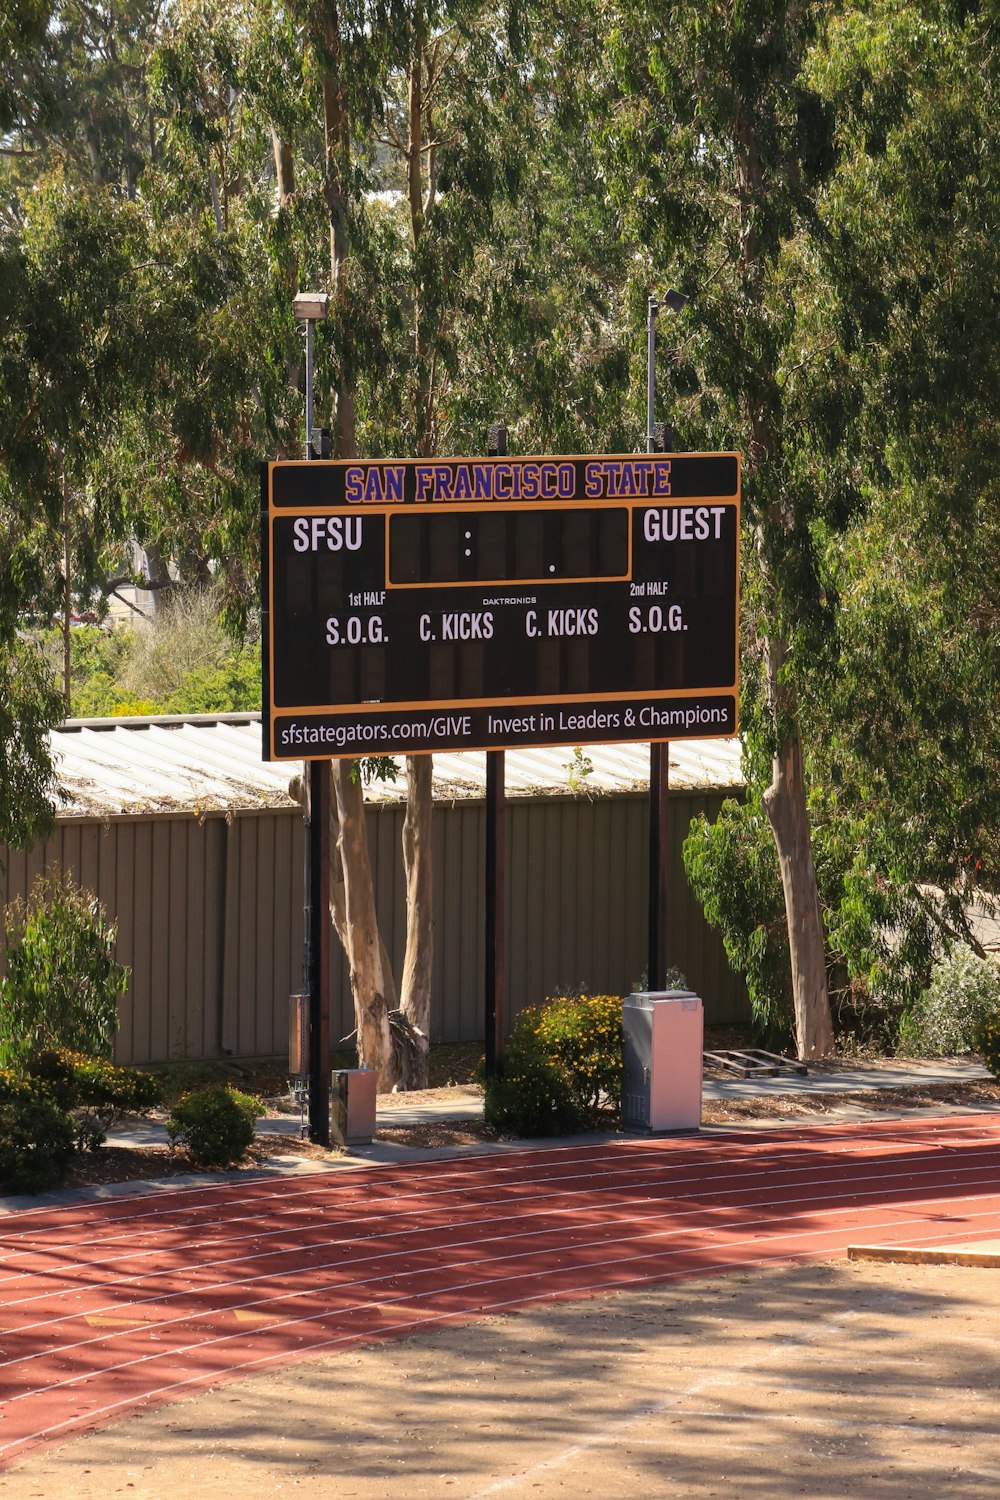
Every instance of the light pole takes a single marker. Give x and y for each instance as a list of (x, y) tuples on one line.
[(310, 308), (659, 753), (673, 301)]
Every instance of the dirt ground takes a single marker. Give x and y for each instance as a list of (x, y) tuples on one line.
[(828, 1381)]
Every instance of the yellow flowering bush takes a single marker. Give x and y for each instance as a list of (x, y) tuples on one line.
[(562, 1069), (97, 1093)]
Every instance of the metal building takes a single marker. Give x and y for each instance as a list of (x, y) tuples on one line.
[(194, 845)]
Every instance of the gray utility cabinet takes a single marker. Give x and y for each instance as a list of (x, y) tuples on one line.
[(662, 1055), (352, 1106)]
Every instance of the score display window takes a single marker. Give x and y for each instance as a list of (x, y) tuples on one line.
[(535, 544), (394, 625)]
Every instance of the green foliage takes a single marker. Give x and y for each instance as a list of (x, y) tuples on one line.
[(733, 869), (988, 1041), (215, 1125), (96, 1092), (29, 708), (562, 1069), (878, 919), (964, 993), (36, 1136), (62, 983), (182, 661)]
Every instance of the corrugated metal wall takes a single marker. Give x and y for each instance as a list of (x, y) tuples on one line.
[(209, 915)]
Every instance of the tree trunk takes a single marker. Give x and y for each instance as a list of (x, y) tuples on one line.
[(157, 577), (352, 908), (67, 598), (415, 990), (284, 169), (787, 812), (785, 798)]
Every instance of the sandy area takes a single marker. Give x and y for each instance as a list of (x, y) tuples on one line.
[(827, 1381)]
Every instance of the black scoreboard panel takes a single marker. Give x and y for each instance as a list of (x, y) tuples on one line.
[(481, 603)]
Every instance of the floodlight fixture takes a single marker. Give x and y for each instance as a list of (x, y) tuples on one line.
[(310, 307)]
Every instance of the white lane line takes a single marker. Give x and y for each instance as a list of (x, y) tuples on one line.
[(715, 1238), (669, 1150), (667, 1179), (172, 1388), (664, 1193)]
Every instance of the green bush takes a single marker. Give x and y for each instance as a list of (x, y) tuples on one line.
[(36, 1136), (562, 1069), (963, 993), (214, 1125), (98, 1094), (532, 1097), (62, 982), (988, 1041)]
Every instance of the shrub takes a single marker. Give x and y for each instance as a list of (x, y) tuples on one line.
[(988, 1041), (98, 1093), (562, 1068), (532, 1097), (584, 1036), (36, 1136), (964, 991), (214, 1125), (62, 982)]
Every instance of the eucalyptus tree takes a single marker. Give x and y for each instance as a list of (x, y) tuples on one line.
[(718, 149), (67, 346), (877, 587), (914, 733), (395, 134)]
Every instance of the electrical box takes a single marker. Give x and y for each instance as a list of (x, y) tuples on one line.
[(352, 1106), (662, 1060)]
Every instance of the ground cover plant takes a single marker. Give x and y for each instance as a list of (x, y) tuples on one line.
[(97, 1094), (36, 1135)]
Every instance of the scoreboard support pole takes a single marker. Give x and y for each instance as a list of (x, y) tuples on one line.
[(659, 863), (496, 869), (319, 951), (659, 440), (496, 904), (307, 310)]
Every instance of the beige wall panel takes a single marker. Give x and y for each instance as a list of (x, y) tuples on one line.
[(210, 916), (120, 902)]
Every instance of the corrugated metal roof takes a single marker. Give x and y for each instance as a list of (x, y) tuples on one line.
[(211, 763)]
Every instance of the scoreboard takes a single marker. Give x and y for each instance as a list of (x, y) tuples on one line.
[(482, 603)]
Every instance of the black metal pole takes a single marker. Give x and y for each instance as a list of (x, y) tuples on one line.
[(496, 871), (319, 892), (659, 441), (319, 952), (659, 863), (496, 893)]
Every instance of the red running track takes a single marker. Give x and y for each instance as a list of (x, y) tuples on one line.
[(108, 1306)]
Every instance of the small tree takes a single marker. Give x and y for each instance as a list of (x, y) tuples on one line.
[(62, 983)]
